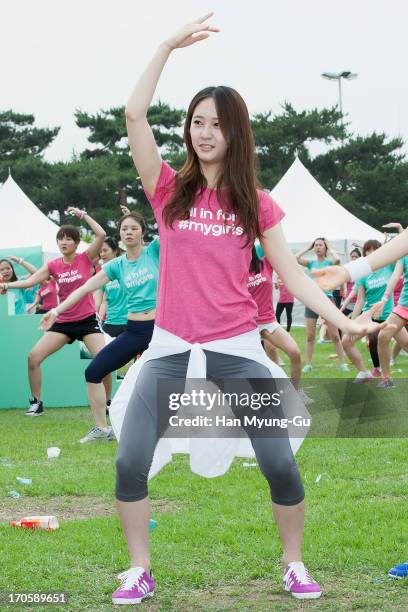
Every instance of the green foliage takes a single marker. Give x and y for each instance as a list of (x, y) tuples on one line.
[(368, 175)]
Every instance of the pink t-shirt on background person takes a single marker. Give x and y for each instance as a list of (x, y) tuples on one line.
[(71, 276), (260, 287), (285, 297), (202, 292), (398, 289), (48, 295)]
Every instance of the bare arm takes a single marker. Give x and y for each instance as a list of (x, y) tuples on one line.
[(299, 255), (29, 267), (331, 253), (35, 279), (143, 147), (94, 283), (304, 288), (359, 303)]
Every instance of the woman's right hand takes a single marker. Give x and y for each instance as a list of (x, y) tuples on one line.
[(48, 320), (190, 33)]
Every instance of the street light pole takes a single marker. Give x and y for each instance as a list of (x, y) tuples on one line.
[(334, 76)]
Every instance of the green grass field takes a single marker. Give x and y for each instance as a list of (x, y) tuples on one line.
[(215, 546)]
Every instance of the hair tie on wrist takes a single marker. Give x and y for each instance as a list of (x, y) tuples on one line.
[(358, 268)]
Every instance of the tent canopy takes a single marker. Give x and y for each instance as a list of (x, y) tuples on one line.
[(312, 212), (24, 225)]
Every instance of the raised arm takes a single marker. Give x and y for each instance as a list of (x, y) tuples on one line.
[(35, 279), (94, 283), (299, 255), (331, 254), (333, 276), (392, 283), (142, 144), (29, 267), (97, 229), (304, 288)]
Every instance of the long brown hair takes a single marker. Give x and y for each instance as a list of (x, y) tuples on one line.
[(238, 174)]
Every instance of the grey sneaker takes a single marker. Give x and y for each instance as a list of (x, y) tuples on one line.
[(98, 433), (387, 383)]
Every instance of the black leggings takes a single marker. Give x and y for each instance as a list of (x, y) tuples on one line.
[(373, 346), (120, 351), (139, 434), (280, 307)]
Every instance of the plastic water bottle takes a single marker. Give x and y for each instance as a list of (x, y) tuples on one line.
[(48, 523)]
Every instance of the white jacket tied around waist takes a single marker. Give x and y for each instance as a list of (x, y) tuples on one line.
[(208, 456)]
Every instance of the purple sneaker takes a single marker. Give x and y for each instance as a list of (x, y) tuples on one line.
[(136, 585), (299, 582)]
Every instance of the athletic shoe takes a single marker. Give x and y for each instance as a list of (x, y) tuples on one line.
[(307, 368), (344, 367), (386, 383), (392, 363), (36, 408), (362, 377), (376, 372), (320, 341), (97, 433), (399, 571), (136, 585), (304, 397), (298, 582)]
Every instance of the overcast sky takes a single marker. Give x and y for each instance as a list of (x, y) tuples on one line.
[(88, 54)]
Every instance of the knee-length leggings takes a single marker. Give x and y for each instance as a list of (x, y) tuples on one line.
[(134, 340), (139, 434)]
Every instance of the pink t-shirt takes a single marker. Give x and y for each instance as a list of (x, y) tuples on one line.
[(71, 276), (48, 295), (350, 286), (398, 289), (261, 290), (202, 292), (285, 296)]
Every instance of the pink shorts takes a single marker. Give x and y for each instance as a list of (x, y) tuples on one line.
[(401, 311)]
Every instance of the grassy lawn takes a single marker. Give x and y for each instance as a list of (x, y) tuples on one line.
[(215, 546)]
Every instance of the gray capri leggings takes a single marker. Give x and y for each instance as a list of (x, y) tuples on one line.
[(139, 434)]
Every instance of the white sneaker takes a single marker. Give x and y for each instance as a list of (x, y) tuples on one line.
[(392, 362), (304, 397), (344, 367), (363, 376), (307, 368), (98, 433)]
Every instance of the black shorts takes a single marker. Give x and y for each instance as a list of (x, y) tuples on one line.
[(76, 330), (113, 330)]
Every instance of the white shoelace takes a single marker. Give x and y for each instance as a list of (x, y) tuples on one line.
[(130, 578), (301, 573)]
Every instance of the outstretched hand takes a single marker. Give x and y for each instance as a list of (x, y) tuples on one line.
[(47, 320), (191, 33), (331, 277), (363, 325)]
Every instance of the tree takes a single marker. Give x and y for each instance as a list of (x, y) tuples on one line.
[(279, 138), (368, 176), (108, 133), (22, 146)]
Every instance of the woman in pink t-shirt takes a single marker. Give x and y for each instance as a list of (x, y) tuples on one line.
[(286, 302), (69, 272), (208, 216)]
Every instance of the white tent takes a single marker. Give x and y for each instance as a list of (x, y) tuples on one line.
[(312, 212), (22, 224)]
